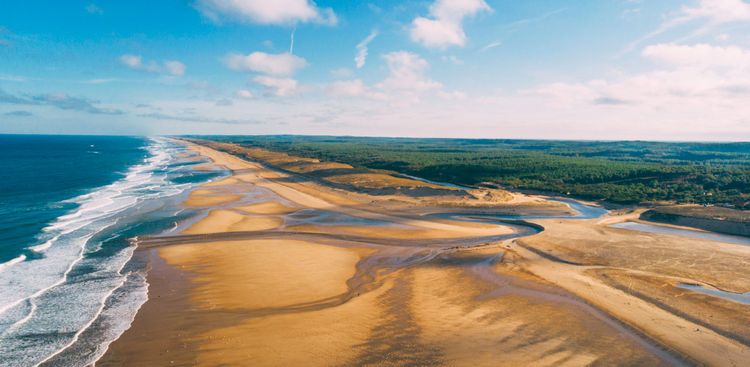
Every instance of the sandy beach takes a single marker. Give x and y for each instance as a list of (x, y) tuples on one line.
[(451, 183), (283, 269)]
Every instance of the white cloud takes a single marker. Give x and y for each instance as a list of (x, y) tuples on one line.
[(407, 73), (132, 61), (171, 67), (444, 27), (700, 55), (93, 9), (354, 88), (690, 92), (244, 93), (278, 12), (695, 88), (283, 64), (277, 70), (348, 88), (175, 68), (281, 87), (719, 11), (341, 73), (361, 56), (405, 83)]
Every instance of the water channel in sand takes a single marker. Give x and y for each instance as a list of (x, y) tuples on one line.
[(704, 235), (743, 298)]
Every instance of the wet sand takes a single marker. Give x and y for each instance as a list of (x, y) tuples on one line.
[(634, 277), (255, 282)]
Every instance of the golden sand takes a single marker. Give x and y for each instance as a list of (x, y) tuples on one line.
[(231, 180), (218, 221), (653, 256), (316, 338), (264, 273), (278, 302), (269, 207), (210, 200), (276, 275)]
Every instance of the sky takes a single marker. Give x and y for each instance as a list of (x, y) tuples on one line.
[(545, 69)]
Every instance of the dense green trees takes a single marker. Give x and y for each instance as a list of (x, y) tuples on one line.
[(621, 172)]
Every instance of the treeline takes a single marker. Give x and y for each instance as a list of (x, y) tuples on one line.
[(619, 172)]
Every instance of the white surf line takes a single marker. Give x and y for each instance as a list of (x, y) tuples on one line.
[(60, 281), (12, 262), (68, 220), (77, 214), (23, 320), (132, 319), (80, 257), (91, 322), (102, 304), (64, 278), (48, 243), (99, 311)]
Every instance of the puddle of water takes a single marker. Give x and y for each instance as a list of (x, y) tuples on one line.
[(584, 212), (650, 228), (743, 298)]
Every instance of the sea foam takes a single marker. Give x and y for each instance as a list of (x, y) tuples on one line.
[(65, 306)]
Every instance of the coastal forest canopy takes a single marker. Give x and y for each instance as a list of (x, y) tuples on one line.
[(625, 172)]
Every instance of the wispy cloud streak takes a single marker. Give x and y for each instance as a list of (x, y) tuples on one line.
[(362, 50)]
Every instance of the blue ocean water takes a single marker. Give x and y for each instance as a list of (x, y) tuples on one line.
[(39, 172), (69, 205)]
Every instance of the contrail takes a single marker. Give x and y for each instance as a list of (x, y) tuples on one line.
[(291, 45)]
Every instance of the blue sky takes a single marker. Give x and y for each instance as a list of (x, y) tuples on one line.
[(588, 69)]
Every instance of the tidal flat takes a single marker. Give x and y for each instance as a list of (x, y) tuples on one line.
[(283, 269)]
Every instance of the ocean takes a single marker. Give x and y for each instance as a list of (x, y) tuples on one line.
[(69, 205)]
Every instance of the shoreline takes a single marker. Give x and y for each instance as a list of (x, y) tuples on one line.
[(390, 278), (81, 285)]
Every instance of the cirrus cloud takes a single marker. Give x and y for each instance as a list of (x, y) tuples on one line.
[(711, 13)]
